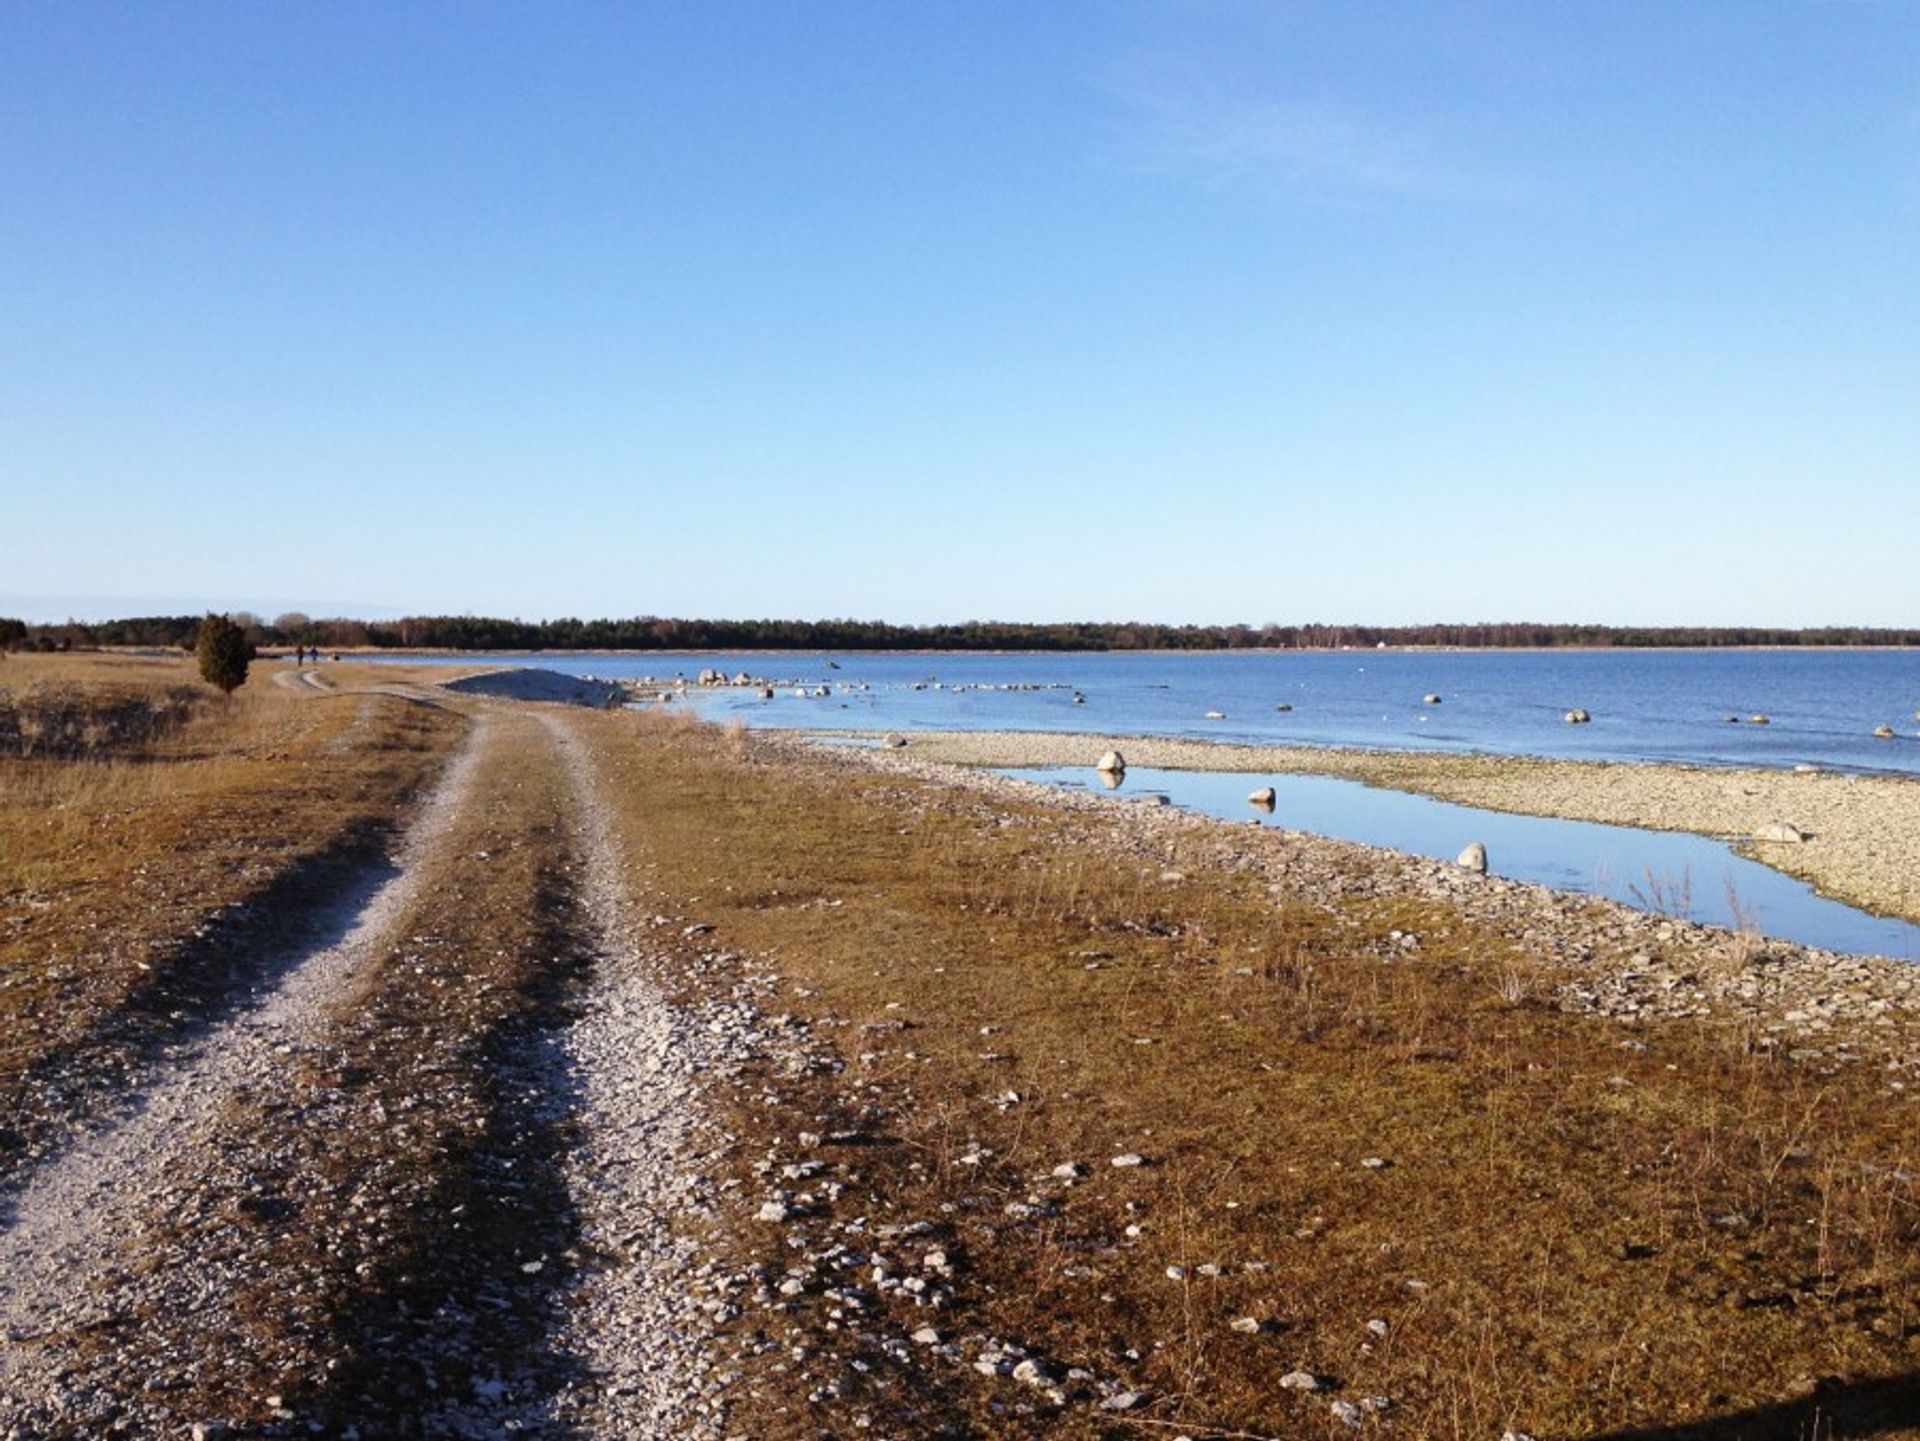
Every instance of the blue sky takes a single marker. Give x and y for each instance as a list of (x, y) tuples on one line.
[(1185, 312)]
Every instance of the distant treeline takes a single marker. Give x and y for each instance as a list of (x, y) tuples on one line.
[(478, 633)]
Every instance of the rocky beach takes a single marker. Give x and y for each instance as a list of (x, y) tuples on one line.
[(1860, 834)]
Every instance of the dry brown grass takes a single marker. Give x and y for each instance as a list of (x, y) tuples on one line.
[(1579, 1228), (133, 878)]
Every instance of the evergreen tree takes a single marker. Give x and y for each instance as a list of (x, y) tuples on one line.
[(224, 651)]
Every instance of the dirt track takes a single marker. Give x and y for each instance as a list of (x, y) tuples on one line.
[(226, 1183)]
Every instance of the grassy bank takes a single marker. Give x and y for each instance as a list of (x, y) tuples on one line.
[(1454, 1207)]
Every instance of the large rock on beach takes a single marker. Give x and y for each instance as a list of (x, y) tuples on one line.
[(1112, 763), (1784, 833), (1473, 858)]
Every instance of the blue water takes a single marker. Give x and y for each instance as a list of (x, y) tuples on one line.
[(1675, 873), (1646, 705)]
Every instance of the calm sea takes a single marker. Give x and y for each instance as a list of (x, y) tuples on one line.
[(1822, 706)]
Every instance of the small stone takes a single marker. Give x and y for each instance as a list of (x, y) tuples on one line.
[(1176, 1273), (1376, 1163), (927, 1336), (1130, 1158), (1347, 1413), (774, 1211), (1123, 1400), (1032, 1373), (1377, 1326), (1069, 1171), (1299, 1381), (1246, 1325)]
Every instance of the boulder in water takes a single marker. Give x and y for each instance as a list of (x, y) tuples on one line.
[(1884, 733), (1430, 700), (1473, 858), (1578, 717), (1760, 720), (1112, 763), (1261, 799)]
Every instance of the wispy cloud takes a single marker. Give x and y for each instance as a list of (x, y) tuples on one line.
[(1314, 148)]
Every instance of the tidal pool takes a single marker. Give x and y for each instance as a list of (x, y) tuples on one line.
[(1667, 872)]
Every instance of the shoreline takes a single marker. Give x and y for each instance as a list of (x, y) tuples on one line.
[(1603, 957), (420, 652), (1864, 846)]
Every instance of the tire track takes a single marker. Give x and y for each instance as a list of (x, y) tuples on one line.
[(634, 1058), (64, 1232)]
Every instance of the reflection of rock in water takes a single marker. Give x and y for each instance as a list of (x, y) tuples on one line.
[(1111, 779)]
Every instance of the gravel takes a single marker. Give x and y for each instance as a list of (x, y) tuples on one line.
[(636, 1061)]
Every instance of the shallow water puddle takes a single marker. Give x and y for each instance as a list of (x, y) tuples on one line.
[(1666, 872)]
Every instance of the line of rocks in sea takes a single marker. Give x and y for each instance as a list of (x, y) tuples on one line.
[(1815, 1006), (646, 689)]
